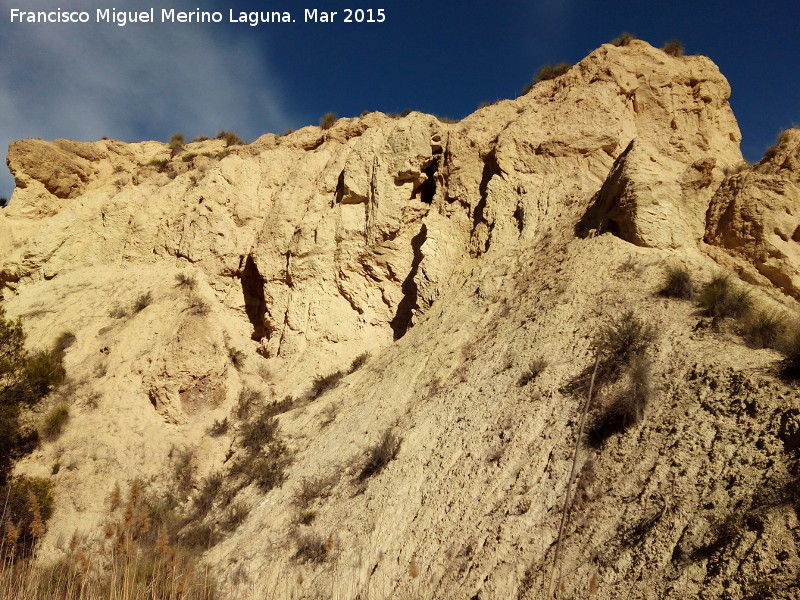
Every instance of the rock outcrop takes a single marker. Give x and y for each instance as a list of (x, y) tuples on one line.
[(202, 279), (755, 215)]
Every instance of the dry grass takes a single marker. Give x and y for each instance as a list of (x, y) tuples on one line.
[(673, 48), (537, 366), (548, 72), (230, 138), (625, 407), (678, 284), (328, 120), (140, 558), (379, 455), (55, 420), (325, 383), (624, 39), (764, 329), (721, 298)]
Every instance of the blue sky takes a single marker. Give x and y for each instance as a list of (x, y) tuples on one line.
[(148, 81)]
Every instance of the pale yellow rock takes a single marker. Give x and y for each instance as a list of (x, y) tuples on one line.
[(755, 215), (449, 253)]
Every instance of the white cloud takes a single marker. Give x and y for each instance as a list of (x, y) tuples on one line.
[(143, 80)]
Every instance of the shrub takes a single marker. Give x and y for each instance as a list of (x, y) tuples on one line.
[(311, 547), (204, 500), (626, 406), (624, 39), (763, 329), (64, 341), (307, 517), (118, 169), (678, 284), (219, 428), (200, 138), (790, 366), (54, 421), (311, 489), (27, 506), (187, 158), (176, 142), (268, 469), (537, 366), (186, 281), (720, 298), (3, 201), (118, 312), (142, 302), (324, 383), (551, 71), (247, 399), (328, 120), (161, 164), (230, 138), (673, 48), (626, 337), (379, 455), (259, 432), (234, 516), (25, 378), (200, 535), (358, 362), (237, 358)]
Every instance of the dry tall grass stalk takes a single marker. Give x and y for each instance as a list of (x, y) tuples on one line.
[(573, 471)]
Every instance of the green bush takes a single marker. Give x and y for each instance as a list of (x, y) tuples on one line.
[(626, 337), (328, 120), (268, 469), (678, 284), (219, 428), (311, 548), (673, 48), (26, 378), (259, 431), (27, 506), (721, 298)]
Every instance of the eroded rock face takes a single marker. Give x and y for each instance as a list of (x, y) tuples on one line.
[(755, 215), (446, 250)]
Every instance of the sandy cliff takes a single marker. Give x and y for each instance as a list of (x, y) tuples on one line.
[(457, 255)]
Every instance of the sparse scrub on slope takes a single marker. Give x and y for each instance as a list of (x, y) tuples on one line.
[(674, 48), (624, 39), (626, 405), (380, 455), (678, 284), (721, 298), (763, 329)]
